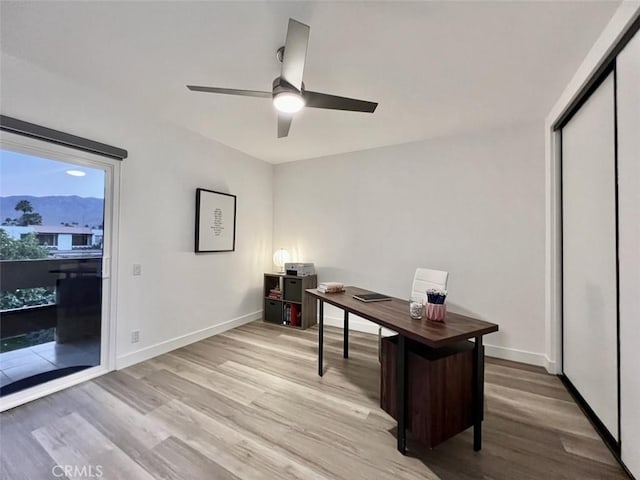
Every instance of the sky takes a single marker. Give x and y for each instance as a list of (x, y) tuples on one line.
[(22, 174)]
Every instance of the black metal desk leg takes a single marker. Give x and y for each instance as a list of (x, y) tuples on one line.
[(320, 336), (401, 385), (345, 346), (478, 393)]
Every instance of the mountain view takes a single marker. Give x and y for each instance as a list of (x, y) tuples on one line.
[(58, 209)]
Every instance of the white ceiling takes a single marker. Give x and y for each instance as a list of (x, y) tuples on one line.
[(437, 68)]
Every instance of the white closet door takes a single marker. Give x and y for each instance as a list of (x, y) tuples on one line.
[(589, 315), (628, 93)]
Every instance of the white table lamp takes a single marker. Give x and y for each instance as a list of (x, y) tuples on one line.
[(280, 258)]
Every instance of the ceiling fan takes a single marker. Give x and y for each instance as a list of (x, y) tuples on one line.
[(288, 91)]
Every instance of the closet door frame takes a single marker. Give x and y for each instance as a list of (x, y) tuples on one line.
[(622, 27), (620, 30)]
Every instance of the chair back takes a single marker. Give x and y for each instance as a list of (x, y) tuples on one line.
[(427, 278)]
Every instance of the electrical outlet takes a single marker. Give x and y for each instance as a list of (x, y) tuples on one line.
[(137, 269), (135, 336)]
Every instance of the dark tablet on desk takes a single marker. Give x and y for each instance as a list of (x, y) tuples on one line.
[(371, 297)]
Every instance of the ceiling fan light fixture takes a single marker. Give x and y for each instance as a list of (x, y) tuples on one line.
[(288, 102), (288, 93)]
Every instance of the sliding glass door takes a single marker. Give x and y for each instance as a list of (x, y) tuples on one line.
[(55, 215)]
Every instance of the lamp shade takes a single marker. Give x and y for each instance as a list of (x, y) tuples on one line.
[(280, 257)]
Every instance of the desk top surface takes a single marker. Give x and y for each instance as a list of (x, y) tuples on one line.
[(394, 314)]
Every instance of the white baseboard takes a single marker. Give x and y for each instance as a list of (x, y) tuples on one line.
[(182, 341), (355, 323), (551, 366), (513, 354)]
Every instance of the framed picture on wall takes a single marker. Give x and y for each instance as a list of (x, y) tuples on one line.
[(215, 221)]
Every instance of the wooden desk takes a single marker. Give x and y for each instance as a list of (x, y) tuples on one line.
[(394, 314)]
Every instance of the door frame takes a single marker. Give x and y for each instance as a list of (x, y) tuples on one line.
[(112, 171), (619, 31)]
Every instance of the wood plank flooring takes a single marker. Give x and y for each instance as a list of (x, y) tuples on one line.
[(248, 404)]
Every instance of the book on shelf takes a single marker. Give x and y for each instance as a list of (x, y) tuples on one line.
[(275, 293), (294, 315), (287, 314)]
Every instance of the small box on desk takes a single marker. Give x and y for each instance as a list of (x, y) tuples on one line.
[(439, 388)]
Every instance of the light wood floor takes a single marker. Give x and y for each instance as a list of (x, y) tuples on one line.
[(248, 404)]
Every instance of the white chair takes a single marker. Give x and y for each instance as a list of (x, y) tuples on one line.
[(423, 279)]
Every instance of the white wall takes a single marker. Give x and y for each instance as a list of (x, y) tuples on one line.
[(15, 232), (180, 296), (628, 75), (65, 241), (472, 205)]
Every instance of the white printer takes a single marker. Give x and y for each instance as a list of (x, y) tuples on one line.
[(299, 269)]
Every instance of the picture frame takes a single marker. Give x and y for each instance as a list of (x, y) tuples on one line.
[(215, 221)]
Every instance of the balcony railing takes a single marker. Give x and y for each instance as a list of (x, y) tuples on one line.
[(75, 279), (15, 274)]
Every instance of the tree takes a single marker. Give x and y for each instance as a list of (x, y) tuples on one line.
[(27, 297), (28, 217), (25, 248), (24, 206)]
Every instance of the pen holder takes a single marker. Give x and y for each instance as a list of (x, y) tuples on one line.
[(436, 311), (416, 308)]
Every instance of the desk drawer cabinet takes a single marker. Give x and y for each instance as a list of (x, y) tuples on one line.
[(439, 389)]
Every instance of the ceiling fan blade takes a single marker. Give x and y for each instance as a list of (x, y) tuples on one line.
[(284, 123), (295, 53), (230, 91), (333, 102)]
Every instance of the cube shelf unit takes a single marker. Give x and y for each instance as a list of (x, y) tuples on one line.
[(293, 299)]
